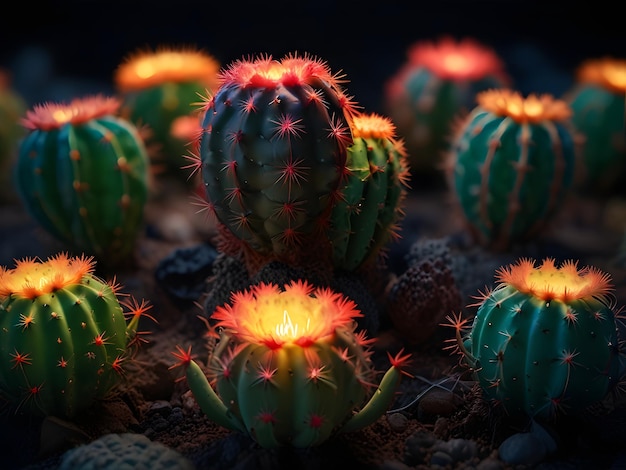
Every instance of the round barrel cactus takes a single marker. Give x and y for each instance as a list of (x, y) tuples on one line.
[(512, 165), (544, 341), (82, 173), (289, 368), (598, 102), (437, 85), (273, 154), (64, 336)]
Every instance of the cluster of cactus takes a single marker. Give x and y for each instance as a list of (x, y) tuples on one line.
[(64, 336), (161, 89), (544, 342), (12, 108), (597, 102), (435, 87), (290, 369), (512, 164), (289, 164), (82, 173)]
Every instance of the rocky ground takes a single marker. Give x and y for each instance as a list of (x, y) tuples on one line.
[(439, 418)]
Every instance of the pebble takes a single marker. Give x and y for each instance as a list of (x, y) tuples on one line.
[(397, 422)]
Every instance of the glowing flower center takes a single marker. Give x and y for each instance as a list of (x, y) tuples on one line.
[(373, 125), (532, 109), (296, 315), (548, 281), (49, 116), (31, 278), (456, 63), (608, 73)]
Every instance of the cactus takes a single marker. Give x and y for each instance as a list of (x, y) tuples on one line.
[(435, 86), (544, 341), (160, 86), (64, 338), (12, 108), (289, 369), (512, 165), (598, 113), (363, 220), (82, 173)]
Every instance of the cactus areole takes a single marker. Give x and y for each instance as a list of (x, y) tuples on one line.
[(544, 340), (64, 337), (289, 368), (273, 151)]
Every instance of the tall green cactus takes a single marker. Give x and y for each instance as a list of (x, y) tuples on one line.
[(544, 341), (12, 108), (157, 88), (437, 85), (289, 368), (598, 108), (512, 165), (363, 220), (82, 173), (64, 338)]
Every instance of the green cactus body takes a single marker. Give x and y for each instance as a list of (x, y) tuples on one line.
[(362, 221), (436, 86), (82, 173), (544, 341), (273, 152), (63, 336), (158, 87), (514, 162), (289, 368), (598, 109)]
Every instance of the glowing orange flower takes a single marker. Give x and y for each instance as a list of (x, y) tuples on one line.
[(298, 314), (50, 115), (532, 109), (456, 60), (548, 282), (31, 277), (373, 125), (607, 72)]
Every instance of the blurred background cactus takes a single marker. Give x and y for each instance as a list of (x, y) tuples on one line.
[(12, 108), (64, 338), (511, 165), (434, 87), (597, 101), (289, 368), (158, 87), (82, 173), (544, 341)]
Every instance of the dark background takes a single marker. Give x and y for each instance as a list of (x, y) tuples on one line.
[(59, 50)]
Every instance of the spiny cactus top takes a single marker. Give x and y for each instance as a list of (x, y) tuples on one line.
[(82, 173), (273, 151), (64, 338), (544, 341), (512, 163), (289, 367)]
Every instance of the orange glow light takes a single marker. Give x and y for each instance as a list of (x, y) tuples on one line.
[(49, 116), (297, 314), (532, 109), (608, 73), (31, 277), (548, 281)]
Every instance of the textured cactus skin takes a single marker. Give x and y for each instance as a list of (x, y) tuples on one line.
[(86, 182), (424, 101), (510, 177), (273, 152), (540, 357), (362, 220), (62, 349), (297, 394)]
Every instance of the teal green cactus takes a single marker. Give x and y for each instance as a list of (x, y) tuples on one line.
[(544, 342), (435, 87), (159, 87), (82, 173), (598, 108), (512, 164), (289, 368), (64, 337), (12, 108), (363, 220)]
